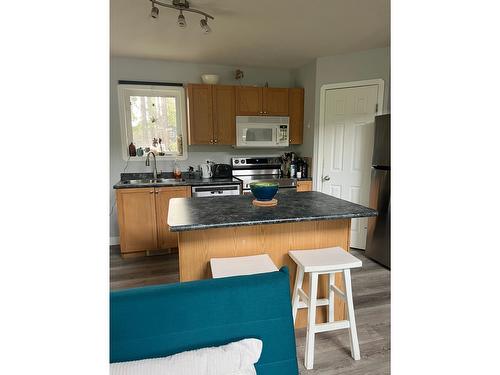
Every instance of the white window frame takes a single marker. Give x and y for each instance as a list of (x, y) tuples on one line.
[(125, 90)]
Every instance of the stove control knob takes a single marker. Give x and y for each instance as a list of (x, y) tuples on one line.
[(236, 161), (243, 162)]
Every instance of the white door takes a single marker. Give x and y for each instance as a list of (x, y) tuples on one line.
[(347, 149)]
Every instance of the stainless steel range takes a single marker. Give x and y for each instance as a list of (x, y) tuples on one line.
[(260, 169)]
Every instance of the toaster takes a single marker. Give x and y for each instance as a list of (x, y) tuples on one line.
[(222, 171)]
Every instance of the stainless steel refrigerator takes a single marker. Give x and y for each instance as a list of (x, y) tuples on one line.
[(378, 240)]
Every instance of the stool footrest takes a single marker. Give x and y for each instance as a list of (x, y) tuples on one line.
[(338, 292), (305, 300), (332, 326)]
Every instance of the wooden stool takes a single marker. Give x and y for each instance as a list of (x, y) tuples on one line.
[(318, 262), (236, 266)]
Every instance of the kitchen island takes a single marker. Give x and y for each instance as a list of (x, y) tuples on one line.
[(231, 226)]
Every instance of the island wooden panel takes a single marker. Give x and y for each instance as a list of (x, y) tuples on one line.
[(197, 247)]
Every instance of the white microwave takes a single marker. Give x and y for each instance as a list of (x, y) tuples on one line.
[(262, 131)]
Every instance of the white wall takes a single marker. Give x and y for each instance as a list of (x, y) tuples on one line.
[(369, 64), (167, 71), (305, 77)]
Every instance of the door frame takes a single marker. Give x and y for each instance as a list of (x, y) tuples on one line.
[(318, 144)]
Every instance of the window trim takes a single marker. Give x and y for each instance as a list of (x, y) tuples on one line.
[(126, 126)]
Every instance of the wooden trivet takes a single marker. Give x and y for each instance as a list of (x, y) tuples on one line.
[(272, 202)]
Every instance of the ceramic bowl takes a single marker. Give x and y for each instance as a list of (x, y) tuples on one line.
[(264, 191), (210, 79)]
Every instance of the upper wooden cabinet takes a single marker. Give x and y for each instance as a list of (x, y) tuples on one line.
[(212, 110), (275, 101), (296, 114), (224, 114), (256, 101), (211, 114), (200, 115), (248, 101)]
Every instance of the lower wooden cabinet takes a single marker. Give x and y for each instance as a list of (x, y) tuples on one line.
[(304, 185), (167, 239), (142, 218)]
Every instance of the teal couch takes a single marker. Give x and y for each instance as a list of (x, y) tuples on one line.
[(162, 320)]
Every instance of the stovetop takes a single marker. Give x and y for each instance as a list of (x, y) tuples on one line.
[(283, 182)]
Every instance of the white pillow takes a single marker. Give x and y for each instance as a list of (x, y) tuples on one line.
[(236, 358)]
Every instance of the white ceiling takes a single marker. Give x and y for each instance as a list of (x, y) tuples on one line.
[(271, 33)]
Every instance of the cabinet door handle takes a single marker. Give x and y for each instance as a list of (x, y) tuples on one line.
[(151, 192), (211, 141), (156, 192), (215, 141)]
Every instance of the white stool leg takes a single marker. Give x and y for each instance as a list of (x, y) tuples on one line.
[(331, 297), (311, 321), (353, 333), (299, 278)]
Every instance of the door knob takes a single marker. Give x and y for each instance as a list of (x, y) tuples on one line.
[(326, 178)]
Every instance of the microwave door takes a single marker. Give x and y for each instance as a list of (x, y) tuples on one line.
[(244, 136)]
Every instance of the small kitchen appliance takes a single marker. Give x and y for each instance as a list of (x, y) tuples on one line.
[(262, 131), (207, 169), (222, 171), (215, 190)]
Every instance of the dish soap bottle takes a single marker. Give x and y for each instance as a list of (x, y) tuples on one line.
[(177, 170)]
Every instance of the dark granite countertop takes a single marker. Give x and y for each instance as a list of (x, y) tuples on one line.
[(216, 212), (187, 180)]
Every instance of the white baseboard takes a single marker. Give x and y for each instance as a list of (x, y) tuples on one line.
[(114, 240)]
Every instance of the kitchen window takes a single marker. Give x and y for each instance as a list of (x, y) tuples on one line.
[(153, 118)]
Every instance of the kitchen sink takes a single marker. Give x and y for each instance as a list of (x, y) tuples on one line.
[(154, 181)]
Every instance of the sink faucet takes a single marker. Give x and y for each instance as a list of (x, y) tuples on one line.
[(155, 173)]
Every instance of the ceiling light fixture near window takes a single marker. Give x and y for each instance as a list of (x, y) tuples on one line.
[(181, 6)]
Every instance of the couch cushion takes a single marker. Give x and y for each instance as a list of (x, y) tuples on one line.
[(237, 358), (162, 320)]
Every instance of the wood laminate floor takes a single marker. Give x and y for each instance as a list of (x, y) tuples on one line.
[(372, 297)]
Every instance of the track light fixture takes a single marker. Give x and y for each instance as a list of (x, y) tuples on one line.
[(181, 20), (181, 6), (155, 12), (204, 26)]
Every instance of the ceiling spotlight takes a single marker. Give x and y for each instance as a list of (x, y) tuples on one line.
[(181, 5), (155, 12), (204, 26), (181, 21)]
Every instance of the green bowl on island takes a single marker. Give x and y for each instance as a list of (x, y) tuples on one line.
[(264, 191)]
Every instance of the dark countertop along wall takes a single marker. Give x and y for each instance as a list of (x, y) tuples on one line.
[(231, 211)]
